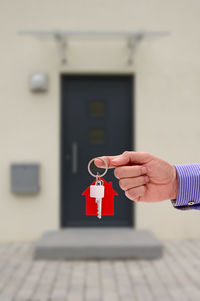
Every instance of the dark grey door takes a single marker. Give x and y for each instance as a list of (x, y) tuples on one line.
[(96, 116)]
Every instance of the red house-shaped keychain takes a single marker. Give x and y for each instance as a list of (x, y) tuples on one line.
[(107, 201)]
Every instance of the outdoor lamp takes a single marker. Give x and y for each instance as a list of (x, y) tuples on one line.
[(39, 82)]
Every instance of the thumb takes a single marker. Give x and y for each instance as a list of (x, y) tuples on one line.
[(131, 158), (125, 159)]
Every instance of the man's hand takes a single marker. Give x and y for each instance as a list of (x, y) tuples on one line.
[(143, 177)]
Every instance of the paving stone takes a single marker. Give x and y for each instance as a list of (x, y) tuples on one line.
[(171, 278), (108, 283), (186, 273), (124, 287)]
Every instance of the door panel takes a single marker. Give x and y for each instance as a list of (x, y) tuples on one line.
[(96, 120)]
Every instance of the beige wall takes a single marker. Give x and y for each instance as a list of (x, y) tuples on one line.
[(167, 93)]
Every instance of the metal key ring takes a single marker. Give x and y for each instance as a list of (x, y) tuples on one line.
[(97, 175)]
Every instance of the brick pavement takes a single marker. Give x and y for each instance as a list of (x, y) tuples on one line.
[(174, 277)]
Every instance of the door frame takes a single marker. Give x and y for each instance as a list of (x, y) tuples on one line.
[(132, 138)]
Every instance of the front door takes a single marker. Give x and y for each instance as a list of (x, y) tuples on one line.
[(96, 115)]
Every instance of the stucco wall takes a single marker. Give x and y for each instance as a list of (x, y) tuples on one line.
[(167, 93)]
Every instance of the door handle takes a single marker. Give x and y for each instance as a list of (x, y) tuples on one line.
[(74, 157)]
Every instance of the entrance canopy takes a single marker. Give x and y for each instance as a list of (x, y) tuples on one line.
[(62, 38)]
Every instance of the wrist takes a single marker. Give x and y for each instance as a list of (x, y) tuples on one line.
[(174, 191)]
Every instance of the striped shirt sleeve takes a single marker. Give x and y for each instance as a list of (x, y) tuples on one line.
[(188, 187)]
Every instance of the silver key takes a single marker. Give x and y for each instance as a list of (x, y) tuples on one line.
[(97, 192)]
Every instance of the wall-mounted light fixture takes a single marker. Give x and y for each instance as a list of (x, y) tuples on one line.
[(38, 82)]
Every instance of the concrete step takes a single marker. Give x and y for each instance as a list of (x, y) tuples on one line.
[(98, 243)]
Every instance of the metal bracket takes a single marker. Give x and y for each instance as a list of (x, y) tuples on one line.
[(62, 47), (133, 43)]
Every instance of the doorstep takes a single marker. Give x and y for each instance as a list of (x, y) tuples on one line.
[(98, 243)]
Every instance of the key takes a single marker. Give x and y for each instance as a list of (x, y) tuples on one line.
[(97, 192), (99, 206)]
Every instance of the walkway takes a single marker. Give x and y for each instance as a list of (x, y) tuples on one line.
[(175, 277)]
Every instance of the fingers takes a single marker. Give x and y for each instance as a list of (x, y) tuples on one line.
[(134, 194), (133, 180), (129, 171), (125, 159), (129, 183)]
